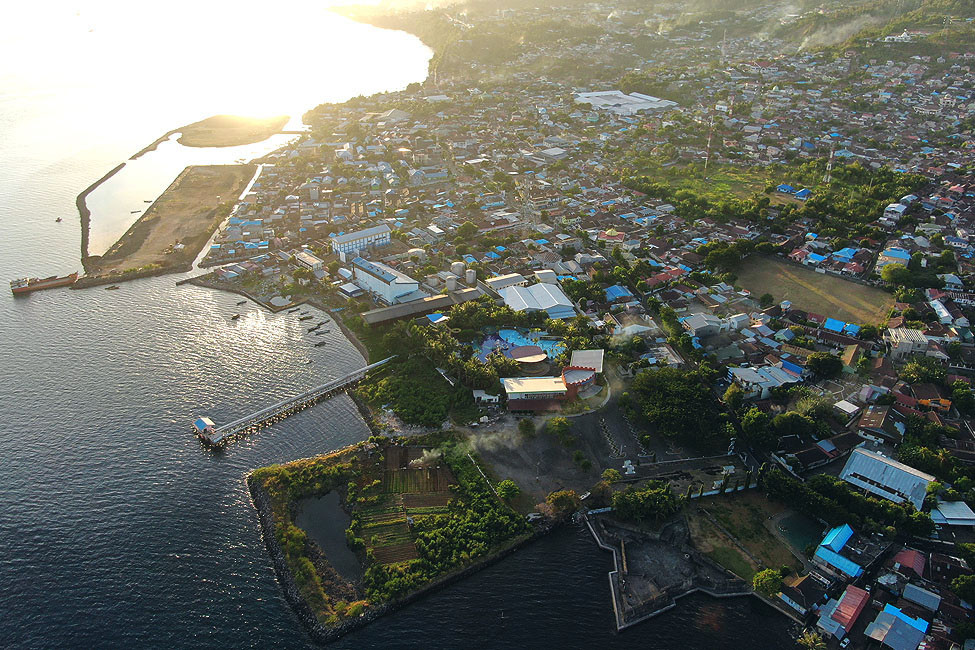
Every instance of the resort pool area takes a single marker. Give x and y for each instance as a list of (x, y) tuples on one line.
[(801, 531), (507, 339)]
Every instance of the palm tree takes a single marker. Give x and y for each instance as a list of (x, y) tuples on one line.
[(811, 641)]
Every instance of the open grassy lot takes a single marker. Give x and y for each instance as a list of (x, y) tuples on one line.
[(814, 292), (745, 515)]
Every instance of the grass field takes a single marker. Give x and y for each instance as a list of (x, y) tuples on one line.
[(745, 515), (815, 292)]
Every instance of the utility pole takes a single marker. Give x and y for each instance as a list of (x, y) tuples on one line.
[(828, 178)]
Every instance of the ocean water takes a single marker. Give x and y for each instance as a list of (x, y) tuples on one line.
[(117, 530)]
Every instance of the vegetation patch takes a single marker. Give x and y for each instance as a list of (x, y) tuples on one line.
[(418, 513), (816, 292)]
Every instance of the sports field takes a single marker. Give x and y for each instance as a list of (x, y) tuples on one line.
[(819, 293)]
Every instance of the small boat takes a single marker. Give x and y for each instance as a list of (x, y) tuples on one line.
[(304, 312), (112, 288), (134, 211), (291, 311), (305, 318), (241, 302), (309, 362), (147, 201), (235, 317), (58, 220), (321, 343), (320, 332)]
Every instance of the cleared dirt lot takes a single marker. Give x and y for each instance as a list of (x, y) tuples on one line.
[(815, 292), (188, 212)]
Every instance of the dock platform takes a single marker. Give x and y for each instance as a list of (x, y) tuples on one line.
[(219, 436)]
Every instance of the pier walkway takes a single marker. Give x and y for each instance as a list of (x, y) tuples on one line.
[(216, 436)]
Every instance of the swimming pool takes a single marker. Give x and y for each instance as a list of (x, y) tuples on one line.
[(507, 339), (551, 347)]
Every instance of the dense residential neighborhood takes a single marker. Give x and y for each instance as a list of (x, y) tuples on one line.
[(770, 263)]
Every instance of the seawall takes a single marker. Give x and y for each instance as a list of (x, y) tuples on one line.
[(315, 629), (82, 204)]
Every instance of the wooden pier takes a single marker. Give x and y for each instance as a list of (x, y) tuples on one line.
[(219, 436)]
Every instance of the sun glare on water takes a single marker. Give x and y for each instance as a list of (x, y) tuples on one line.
[(116, 59)]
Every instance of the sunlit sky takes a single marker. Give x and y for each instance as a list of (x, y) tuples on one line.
[(245, 58)]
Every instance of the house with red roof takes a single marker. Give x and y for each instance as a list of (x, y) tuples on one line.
[(836, 617)]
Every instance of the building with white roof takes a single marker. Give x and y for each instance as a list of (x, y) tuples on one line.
[(622, 104), (354, 242), (384, 282), (306, 260), (500, 282), (905, 342), (886, 478), (953, 513), (587, 359), (757, 382), (539, 297)]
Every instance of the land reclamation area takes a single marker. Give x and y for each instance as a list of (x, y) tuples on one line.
[(420, 512), (170, 234), (810, 291)]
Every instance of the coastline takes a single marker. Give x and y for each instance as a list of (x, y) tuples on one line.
[(318, 632), (85, 213)]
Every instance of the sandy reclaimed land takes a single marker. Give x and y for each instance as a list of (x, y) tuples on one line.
[(230, 131), (188, 212), (814, 292)]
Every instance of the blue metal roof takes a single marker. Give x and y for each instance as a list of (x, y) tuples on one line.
[(616, 292), (837, 538), (917, 623), (834, 325), (849, 567)]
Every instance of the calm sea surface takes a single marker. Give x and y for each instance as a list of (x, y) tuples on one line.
[(116, 528)]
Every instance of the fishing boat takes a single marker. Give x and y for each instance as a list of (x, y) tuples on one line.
[(241, 302), (235, 317), (27, 285), (112, 288), (58, 220), (305, 318), (291, 311), (321, 343), (134, 211)]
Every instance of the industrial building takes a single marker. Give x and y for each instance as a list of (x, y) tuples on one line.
[(622, 104), (384, 282), (886, 478), (539, 297), (354, 242)]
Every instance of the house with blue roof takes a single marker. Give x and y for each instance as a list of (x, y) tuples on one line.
[(617, 293), (803, 194), (785, 189), (828, 555), (892, 255)]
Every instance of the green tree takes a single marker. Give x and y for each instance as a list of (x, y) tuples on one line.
[(611, 475), (964, 587), (563, 502), (526, 427), (896, 274), (767, 582), (824, 364), (755, 429), (467, 230), (810, 640), (923, 370), (767, 300), (734, 396), (508, 489), (560, 428)]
